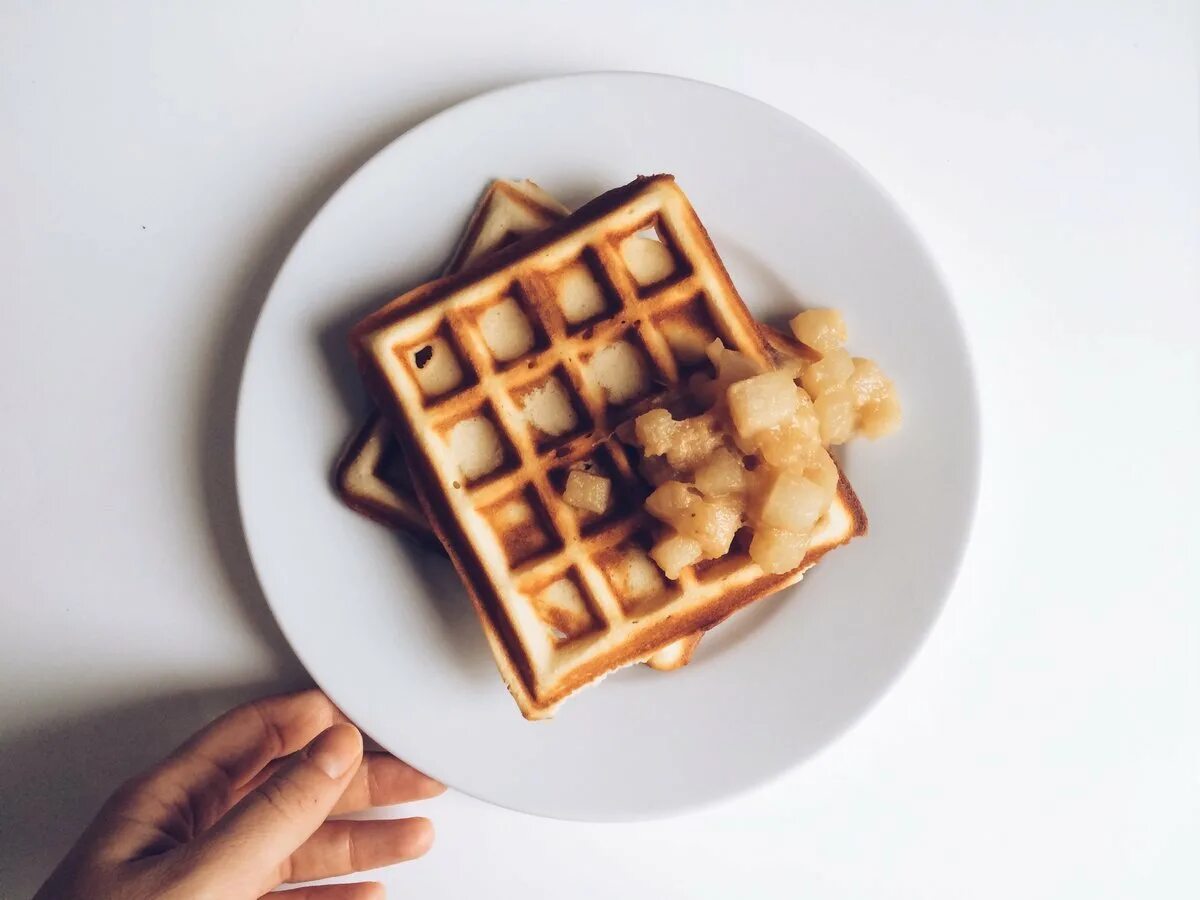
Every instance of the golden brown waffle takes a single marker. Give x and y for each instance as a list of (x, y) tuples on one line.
[(371, 475), (491, 432)]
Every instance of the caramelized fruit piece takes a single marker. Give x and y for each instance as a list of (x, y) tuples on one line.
[(713, 525), (835, 409), (777, 551), (867, 382), (675, 552), (831, 370), (693, 441), (671, 501), (588, 492), (723, 473), (654, 431), (762, 402), (793, 442), (731, 367), (822, 471), (880, 418), (792, 502), (821, 329)]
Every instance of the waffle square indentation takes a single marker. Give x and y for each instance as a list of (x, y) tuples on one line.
[(508, 330), (637, 582), (582, 291), (522, 527), (626, 495), (479, 446), (622, 370), (651, 257), (552, 411), (437, 364), (688, 329), (566, 608)]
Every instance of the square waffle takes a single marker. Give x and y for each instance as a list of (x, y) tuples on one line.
[(372, 476), (490, 427)]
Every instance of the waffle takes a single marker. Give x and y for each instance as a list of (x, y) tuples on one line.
[(492, 420), (371, 475)]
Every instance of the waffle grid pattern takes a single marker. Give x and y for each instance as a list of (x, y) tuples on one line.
[(495, 389), (370, 476), (522, 540)]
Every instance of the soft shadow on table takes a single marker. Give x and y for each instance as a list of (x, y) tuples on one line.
[(459, 626), (55, 775), (214, 444)]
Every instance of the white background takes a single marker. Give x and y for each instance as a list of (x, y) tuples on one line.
[(158, 160)]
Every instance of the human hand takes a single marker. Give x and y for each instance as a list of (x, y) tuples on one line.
[(238, 810)]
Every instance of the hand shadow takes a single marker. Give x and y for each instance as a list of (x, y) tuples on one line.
[(441, 587), (214, 440), (55, 775)]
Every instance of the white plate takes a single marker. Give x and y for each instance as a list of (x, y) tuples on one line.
[(388, 631)]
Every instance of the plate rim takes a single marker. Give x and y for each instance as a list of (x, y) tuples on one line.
[(971, 432)]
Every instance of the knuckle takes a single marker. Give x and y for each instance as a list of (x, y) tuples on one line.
[(353, 856), (284, 795), (371, 777), (260, 711), (129, 793)]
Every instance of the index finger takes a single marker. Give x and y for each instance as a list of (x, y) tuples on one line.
[(197, 784), (214, 766), (246, 738)]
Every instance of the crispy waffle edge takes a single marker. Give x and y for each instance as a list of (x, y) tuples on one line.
[(500, 259), (411, 523), (508, 650)]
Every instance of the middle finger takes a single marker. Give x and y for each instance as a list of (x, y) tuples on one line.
[(342, 847), (382, 780)]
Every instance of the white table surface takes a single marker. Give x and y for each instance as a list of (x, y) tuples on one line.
[(155, 166)]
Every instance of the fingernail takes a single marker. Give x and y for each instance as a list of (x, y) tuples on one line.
[(336, 749)]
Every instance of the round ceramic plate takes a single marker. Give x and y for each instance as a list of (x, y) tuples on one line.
[(387, 629)]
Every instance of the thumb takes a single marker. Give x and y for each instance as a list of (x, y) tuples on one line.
[(246, 849)]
